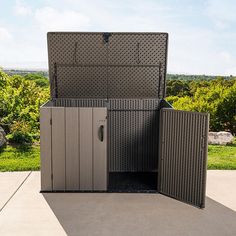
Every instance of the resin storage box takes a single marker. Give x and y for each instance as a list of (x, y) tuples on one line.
[(108, 127)]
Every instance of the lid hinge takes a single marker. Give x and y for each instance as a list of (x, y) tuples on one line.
[(106, 36)]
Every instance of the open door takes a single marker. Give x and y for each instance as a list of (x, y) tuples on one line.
[(183, 155)]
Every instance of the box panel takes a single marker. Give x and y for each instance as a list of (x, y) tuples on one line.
[(183, 155), (72, 148), (87, 65), (58, 148), (86, 148), (100, 149), (133, 135), (81, 82), (46, 149)]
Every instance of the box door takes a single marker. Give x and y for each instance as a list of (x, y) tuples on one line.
[(183, 155), (93, 149), (99, 149)]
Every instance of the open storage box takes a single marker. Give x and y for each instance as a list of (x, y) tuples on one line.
[(108, 126)]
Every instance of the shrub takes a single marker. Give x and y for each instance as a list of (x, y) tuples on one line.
[(217, 97), (20, 100), (20, 132)]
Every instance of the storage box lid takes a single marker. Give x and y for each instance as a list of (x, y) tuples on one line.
[(107, 65)]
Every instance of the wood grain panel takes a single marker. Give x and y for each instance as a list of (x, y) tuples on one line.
[(72, 148), (58, 147), (86, 152), (45, 148), (99, 149)]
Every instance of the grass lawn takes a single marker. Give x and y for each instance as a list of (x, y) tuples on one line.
[(19, 158), (222, 157)]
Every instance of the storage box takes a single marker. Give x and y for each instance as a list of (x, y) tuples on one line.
[(108, 126)]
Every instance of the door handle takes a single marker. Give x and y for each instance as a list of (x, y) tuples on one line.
[(101, 133)]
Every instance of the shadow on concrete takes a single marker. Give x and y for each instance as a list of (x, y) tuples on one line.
[(138, 214)]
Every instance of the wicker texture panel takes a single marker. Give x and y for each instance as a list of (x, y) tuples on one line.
[(144, 53), (71, 49), (79, 102), (133, 82), (137, 48), (72, 81), (129, 65), (133, 135)]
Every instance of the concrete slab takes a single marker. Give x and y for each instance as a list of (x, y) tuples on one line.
[(9, 182), (32, 213), (221, 186), (28, 213), (139, 214)]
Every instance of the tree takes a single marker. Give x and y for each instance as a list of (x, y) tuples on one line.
[(39, 79), (226, 112), (216, 97), (177, 88), (20, 100)]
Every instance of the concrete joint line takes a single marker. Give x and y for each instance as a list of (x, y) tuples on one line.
[(15, 191)]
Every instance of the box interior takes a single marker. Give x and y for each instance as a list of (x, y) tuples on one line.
[(133, 130)]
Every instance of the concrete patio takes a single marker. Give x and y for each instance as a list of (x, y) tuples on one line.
[(24, 211)]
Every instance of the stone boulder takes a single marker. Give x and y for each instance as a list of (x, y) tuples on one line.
[(220, 138), (3, 139)]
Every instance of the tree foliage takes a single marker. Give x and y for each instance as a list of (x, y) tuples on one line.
[(20, 99), (22, 95), (217, 97)]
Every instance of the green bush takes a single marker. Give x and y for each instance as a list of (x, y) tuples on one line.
[(40, 80), (20, 100), (20, 132), (216, 97)]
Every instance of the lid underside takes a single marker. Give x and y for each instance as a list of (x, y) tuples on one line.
[(107, 65)]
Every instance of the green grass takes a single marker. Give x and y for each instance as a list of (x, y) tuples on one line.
[(20, 158), (222, 157)]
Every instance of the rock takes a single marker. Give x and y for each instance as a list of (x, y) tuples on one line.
[(221, 138), (2, 137)]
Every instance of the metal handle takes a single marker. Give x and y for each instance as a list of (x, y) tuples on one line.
[(101, 133)]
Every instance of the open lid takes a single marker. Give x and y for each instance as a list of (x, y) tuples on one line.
[(107, 65)]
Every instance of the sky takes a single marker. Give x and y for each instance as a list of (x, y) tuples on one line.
[(202, 34)]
